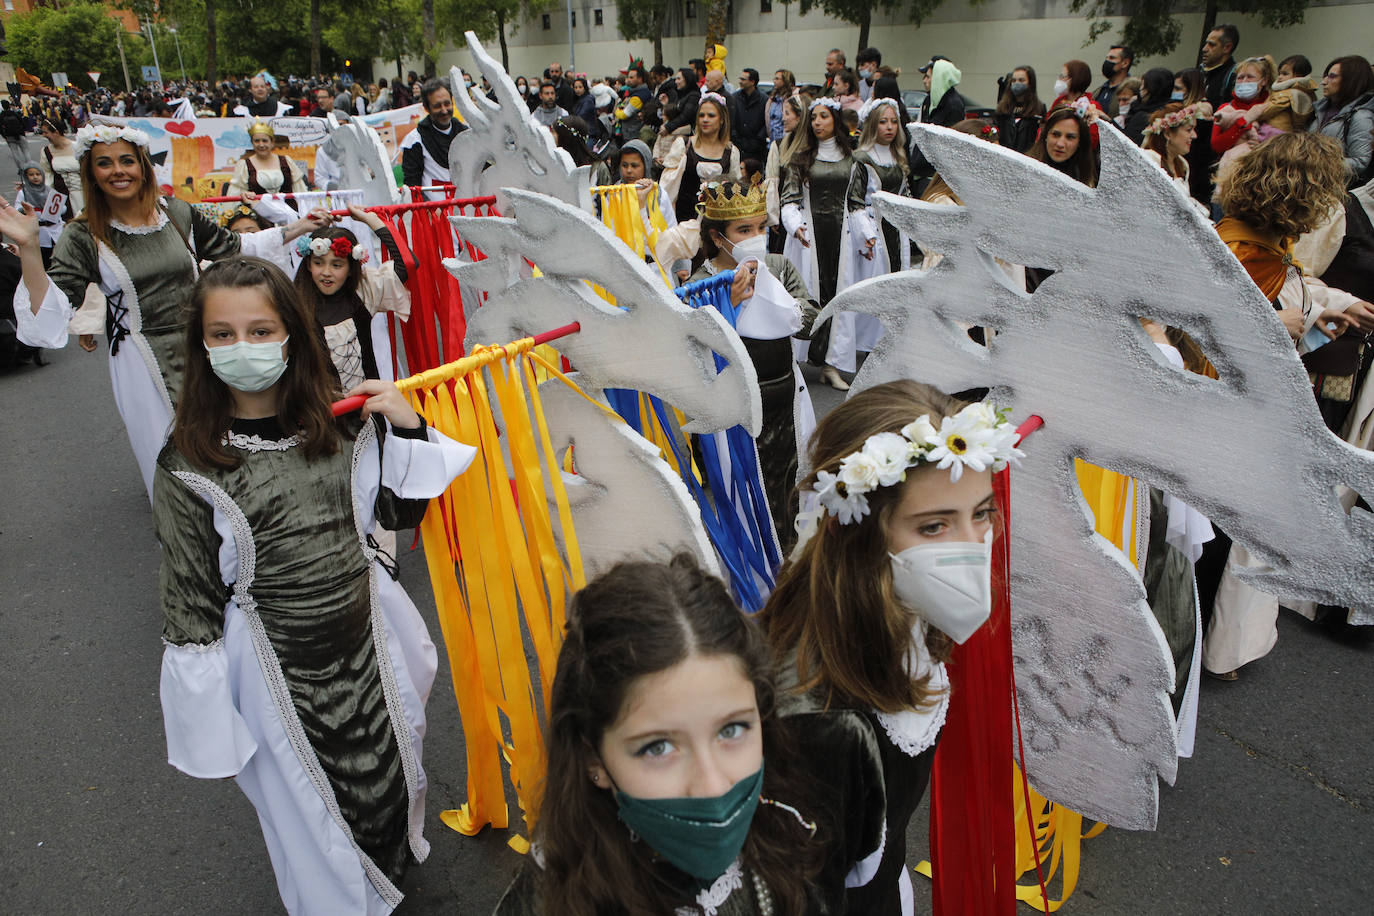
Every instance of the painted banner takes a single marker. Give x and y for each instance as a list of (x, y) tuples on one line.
[(194, 158), (393, 125)]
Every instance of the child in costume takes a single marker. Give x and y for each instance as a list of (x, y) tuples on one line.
[(893, 563), (293, 662), (657, 798), (346, 296)]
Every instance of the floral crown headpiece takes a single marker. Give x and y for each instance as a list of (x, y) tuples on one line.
[(1170, 121), (717, 98), (832, 104), (92, 134), (978, 437), (340, 247), (871, 107), (237, 211)]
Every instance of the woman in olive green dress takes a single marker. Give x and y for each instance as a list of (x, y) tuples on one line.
[(814, 203), (294, 662), (143, 251)]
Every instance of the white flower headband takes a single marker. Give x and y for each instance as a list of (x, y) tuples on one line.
[(833, 104), (92, 134), (715, 97), (872, 105), (977, 437)]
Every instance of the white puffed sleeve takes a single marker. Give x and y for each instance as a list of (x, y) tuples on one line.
[(206, 736)]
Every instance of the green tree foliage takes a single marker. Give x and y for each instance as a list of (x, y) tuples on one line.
[(640, 19), (1152, 28), (72, 40)]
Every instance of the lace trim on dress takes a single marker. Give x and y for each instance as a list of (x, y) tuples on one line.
[(194, 647), (915, 730), (712, 898), (276, 681), (159, 220), (256, 443)]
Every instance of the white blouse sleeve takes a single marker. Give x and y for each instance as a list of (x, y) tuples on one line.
[(423, 468), (46, 330), (383, 291), (792, 218), (206, 736)]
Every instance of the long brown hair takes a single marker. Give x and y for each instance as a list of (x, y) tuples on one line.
[(804, 151), (204, 410), (722, 122), (1082, 166), (834, 607), (97, 212), (310, 294), (638, 619)]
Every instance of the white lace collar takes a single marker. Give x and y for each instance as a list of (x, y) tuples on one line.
[(915, 730), (829, 151), (159, 220), (256, 443), (711, 899)]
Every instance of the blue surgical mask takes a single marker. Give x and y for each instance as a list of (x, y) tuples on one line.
[(865, 73), (249, 367), (1177, 96), (1247, 91)]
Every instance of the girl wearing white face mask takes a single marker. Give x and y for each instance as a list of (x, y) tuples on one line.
[(1246, 111), (774, 304), (893, 564), (294, 662)]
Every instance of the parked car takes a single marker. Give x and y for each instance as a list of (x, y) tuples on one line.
[(913, 99)]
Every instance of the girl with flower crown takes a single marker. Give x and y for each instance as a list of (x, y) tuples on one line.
[(672, 785), (293, 661), (872, 246), (347, 296), (144, 252), (893, 564), (814, 193)]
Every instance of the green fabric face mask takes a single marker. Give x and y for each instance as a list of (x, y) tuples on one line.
[(701, 836)]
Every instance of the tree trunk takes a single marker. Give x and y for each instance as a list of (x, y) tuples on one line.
[(863, 30), (718, 22), (315, 38), (1209, 22), (501, 34), (211, 41), (431, 43), (663, 10)]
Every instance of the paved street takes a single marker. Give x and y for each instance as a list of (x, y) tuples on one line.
[(1275, 814)]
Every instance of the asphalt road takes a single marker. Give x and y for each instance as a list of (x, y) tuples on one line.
[(1274, 814)]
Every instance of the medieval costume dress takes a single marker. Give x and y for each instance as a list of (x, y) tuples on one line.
[(685, 171), (778, 309), (294, 662), (820, 204), (64, 174), (146, 274), (881, 881), (286, 178), (875, 169), (358, 343)]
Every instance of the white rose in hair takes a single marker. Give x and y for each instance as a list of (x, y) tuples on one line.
[(859, 473), (893, 454), (920, 431)]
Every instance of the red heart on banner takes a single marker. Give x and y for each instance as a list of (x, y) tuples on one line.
[(184, 128)]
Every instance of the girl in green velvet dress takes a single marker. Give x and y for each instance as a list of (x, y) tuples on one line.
[(294, 662)]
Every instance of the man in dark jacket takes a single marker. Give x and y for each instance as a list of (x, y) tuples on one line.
[(424, 151), (12, 129), (1219, 64), (748, 120)]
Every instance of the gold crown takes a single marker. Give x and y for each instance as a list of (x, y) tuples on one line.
[(727, 200), (262, 127)]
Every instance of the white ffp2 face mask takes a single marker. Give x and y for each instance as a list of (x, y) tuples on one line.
[(250, 367), (949, 584), (756, 246)]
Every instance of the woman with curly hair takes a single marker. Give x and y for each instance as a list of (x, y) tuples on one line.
[(1281, 190)]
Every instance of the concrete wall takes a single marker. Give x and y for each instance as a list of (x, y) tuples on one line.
[(984, 41)]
